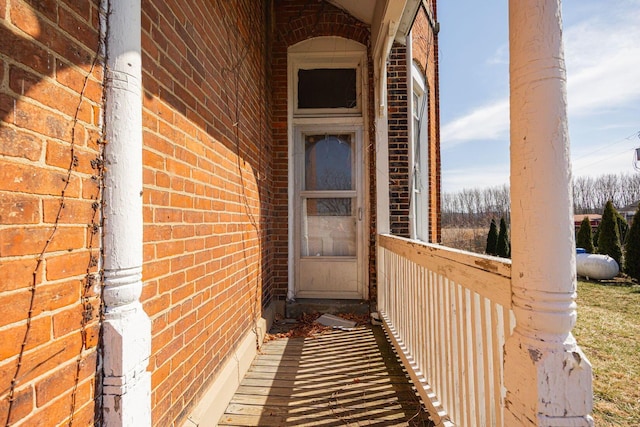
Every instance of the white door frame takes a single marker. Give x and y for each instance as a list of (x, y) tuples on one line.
[(358, 209), (328, 51)]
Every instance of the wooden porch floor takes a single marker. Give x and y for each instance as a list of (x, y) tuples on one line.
[(340, 378)]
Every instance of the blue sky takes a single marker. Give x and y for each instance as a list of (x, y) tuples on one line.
[(602, 54)]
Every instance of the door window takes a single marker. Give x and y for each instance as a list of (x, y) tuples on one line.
[(328, 162), (328, 196)]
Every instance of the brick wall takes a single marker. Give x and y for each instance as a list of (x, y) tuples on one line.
[(425, 53), (298, 20), (207, 188), (50, 128), (397, 109)]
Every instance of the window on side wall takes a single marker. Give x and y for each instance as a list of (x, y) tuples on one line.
[(419, 156)]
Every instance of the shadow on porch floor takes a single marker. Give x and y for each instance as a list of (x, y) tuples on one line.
[(338, 378)]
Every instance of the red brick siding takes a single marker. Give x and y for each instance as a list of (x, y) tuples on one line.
[(436, 132), (425, 53), (298, 20), (46, 51), (207, 189)]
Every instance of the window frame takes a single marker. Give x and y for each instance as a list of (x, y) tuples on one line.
[(324, 60), (419, 156)]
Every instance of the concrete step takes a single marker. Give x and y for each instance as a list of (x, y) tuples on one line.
[(295, 309)]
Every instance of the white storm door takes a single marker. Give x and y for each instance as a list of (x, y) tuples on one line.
[(328, 213)]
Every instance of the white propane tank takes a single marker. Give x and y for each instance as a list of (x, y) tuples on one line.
[(599, 267)]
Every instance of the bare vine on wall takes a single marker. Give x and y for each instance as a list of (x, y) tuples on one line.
[(239, 48), (89, 280)]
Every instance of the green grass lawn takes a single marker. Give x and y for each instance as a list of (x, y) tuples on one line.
[(608, 331)]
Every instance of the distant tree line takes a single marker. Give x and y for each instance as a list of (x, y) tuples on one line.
[(468, 215), (591, 194), (608, 241), (475, 207)]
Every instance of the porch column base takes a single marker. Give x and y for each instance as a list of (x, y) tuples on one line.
[(126, 382), (546, 384), (128, 405)]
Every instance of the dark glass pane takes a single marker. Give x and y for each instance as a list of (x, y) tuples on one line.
[(327, 88), (328, 162), (329, 207)]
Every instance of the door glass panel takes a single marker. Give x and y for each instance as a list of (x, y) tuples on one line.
[(328, 227), (329, 207), (328, 162)]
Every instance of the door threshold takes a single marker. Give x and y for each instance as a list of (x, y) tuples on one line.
[(295, 309)]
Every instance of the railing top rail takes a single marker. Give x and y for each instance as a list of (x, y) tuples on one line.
[(488, 276)]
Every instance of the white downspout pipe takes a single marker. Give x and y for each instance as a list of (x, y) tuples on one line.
[(382, 148), (383, 225), (127, 328), (548, 378)]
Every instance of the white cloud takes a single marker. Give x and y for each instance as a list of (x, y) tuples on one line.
[(617, 126), (603, 68), (500, 56), (489, 121), (603, 61), (475, 177), (619, 160)]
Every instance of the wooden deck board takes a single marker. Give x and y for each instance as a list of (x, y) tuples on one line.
[(280, 389), (336, 379)]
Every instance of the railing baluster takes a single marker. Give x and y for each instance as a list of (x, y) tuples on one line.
[(449, 318), (421, 342), (444, 374), (425, 319), (442, 363), (455, 407), (469, 396), (498, 343), (462, 417), (383, 284), (444, 320), (432, 333), (413, 288), (417, 350), (451, 398), (477, 359), (487, 368)]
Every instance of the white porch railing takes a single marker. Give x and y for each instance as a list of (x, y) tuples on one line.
[(448, 313)]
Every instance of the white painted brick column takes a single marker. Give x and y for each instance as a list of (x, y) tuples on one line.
[(126, 329), (548, 378)]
